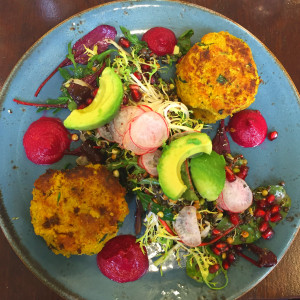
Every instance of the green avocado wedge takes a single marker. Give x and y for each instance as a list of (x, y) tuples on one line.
[(208, 174), (104, 106), (173, 155)]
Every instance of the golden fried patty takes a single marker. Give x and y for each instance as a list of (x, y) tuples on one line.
[(217, 77), (77, 211)]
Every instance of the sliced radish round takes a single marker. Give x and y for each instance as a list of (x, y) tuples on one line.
[(124, 116), (145, 107), (117, 137), (129, 145), (236, 196), (150, 161), (140, 162), (186, 226), (149, 130), (106, 132)]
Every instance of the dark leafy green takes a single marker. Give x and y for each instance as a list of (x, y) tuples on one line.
[(184, 41)]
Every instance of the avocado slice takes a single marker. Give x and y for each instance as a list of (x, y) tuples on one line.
[(208, 174), (104, 106), (173, 156)]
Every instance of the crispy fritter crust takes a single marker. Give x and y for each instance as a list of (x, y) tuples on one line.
[(217, 77), (77, 211)]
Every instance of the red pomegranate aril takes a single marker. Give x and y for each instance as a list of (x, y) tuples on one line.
[(221, 245), (89, 101), (274, 209), (243, 172), (216, 231), (138, 75), (270, 199), (216, 251), (262, 203), (259, 213), (94, 92), (234, 219), (133, 87), (124, 42), (136, 95), (263, 226), (272, 135), (267, 216), (225, 264), (125, 99), (276, 217), (231, 258), (268, 234), (146, 68), (230, 176), (81, 106), (214, 268)]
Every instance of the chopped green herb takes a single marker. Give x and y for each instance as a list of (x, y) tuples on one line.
[(222, 79)]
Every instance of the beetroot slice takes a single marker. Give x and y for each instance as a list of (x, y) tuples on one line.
[(97, 37), (160, 40), (122, 259), (46, 140), (248, 128)]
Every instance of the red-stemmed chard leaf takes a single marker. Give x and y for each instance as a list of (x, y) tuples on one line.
[(97, 37)]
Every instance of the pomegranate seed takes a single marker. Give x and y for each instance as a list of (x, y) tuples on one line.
[(146, 68), (243, 172), (274, 209), (136, 95), (263, 226), (216, 251), (214, 268), (268, 234), (133, 87), (270, 199), (267, 216), (273, 135), (238, 247), (89, 101), (262, 203), (234, 219), (216, 231), (276, 217), (124, 42), (94, 92), (230, 176), (226, 264), (152, 80), (125, 99), (221, 245), (231, 258), (81, 106), (259, 213), (138, 75)]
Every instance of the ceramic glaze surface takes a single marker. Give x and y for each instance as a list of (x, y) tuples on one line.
[(271, 162)]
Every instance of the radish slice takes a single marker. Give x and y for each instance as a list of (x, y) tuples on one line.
[(129, 145), (106, 132), (117, 137), (150, 161), (236, 196), (140, 162), (124, 116), (145, 107), (186, 226), (149, 130)]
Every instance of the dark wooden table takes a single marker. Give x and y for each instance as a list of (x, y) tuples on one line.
[(275, 22)]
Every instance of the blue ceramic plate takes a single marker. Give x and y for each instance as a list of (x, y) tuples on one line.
[(78, 277)]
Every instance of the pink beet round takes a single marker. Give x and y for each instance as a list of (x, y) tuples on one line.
[(160, 40), (122, 259), (248, 128)]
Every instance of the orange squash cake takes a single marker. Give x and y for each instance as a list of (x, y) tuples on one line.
[(217, 77), (77, 211)]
